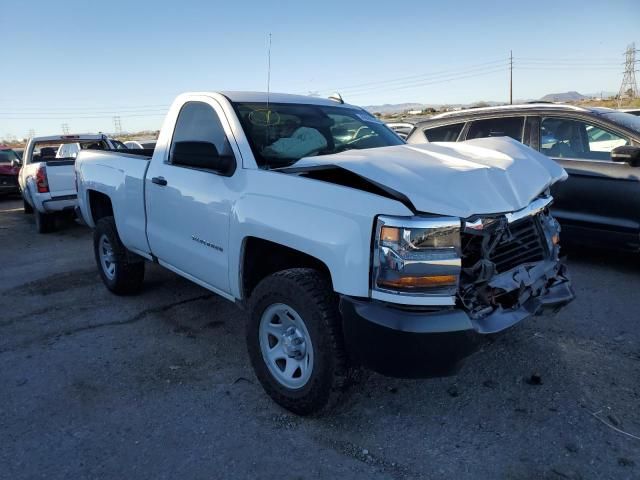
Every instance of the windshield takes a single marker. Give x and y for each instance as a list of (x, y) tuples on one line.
[(625, 119), (7, 155), (283, 133)]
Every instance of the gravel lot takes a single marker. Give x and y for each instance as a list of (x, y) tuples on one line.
[(159, 385)]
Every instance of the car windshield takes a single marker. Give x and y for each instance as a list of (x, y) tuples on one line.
[(6, 156), (280, 134), (625, 119)]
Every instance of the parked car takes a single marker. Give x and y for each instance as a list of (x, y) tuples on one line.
[(599, 205), (9, 168), (70, 150), (46, 179), (632, 111), (140, 144), (345, 251), (402, 129)]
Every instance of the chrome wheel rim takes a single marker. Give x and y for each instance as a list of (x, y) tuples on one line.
[(107, 260), (286, 346)]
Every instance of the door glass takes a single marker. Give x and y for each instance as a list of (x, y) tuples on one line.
[(497, 127), (198, 122), (565, 138), (446, 133)]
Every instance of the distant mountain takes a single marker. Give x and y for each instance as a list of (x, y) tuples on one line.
[(563, 97), (394, 108), (389, 108)]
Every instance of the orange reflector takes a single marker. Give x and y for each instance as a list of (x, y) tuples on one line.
[(555, 239), (390, 234), (420, 282)]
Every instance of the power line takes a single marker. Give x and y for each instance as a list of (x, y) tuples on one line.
[(629, 86), (67, 117), (94, 107), (417, 77), (432, 82)]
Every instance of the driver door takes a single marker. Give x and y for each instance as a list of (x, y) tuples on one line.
[(188, 208)]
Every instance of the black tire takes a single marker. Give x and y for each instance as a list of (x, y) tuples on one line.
[(28, 209), (127, 275), (45, 222), (309, 293)]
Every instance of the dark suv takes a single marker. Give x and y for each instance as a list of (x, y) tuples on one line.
[(599, 148)]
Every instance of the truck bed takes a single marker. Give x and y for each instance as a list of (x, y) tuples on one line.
[(120, 175)]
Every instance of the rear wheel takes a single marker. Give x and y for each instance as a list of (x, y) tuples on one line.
[(295, 343), (45, 222), (122, 272)]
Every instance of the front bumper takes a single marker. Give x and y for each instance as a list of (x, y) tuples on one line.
[(419, 344)]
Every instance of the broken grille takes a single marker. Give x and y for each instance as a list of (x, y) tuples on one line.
[(523, 243)]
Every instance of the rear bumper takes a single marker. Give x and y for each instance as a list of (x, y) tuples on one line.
[(404, 343), (59, 204)]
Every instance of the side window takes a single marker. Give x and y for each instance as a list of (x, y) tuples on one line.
[(446, 133), (566, 138), (198, 122), (497, 127)]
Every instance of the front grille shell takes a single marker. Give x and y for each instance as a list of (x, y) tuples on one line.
[(522, 242)]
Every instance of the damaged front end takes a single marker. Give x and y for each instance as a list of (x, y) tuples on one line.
[(474, 276), (511, 268)]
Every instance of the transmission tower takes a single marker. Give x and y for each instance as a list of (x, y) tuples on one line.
[(65, 129), (629, 87), (117, 125), (32, 133)]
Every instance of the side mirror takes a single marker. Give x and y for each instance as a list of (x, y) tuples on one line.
[(202, 155), (626, 154), (16, 163)]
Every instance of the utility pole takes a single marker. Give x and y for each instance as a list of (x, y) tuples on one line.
[(65, 129), (510, 77), (117, 125), (629, 87)]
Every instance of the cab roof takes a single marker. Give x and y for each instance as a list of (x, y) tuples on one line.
[(261, 97)]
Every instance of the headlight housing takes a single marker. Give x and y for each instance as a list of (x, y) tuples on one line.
[(417, 256)]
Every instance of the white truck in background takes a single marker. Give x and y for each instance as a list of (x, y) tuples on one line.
[(347, 246), (47, 177)]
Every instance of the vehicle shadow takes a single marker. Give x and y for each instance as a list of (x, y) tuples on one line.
[(596, 257)]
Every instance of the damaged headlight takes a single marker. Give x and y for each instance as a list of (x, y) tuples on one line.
[(417, 255)]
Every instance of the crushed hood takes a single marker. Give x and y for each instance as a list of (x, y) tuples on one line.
[(480, 176)]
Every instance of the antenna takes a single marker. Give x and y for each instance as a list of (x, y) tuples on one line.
[(266, 130), (268, 72)]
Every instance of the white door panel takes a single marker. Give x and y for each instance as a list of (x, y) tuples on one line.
[(188, 209)]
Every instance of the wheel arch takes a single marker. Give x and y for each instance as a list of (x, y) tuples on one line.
[(100, 205), (261, 258)]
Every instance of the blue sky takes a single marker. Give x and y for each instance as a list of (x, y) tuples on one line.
[(67, 61)]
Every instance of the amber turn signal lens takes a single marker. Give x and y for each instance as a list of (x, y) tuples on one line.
[(390, 234), (420, 282), (555, 239)]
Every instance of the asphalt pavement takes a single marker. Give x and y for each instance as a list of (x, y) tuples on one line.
[(158, 385)]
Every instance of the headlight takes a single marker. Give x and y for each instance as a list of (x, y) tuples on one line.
[(417, 255)]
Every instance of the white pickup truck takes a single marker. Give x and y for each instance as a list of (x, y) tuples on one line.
[(347, 246), (47, 178)]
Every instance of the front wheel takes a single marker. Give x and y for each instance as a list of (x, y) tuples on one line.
[(121, 272), (295, 342)]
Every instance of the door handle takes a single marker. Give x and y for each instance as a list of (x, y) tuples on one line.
[(159, 181)]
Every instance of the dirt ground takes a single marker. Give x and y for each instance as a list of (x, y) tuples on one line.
[(159, 385)]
